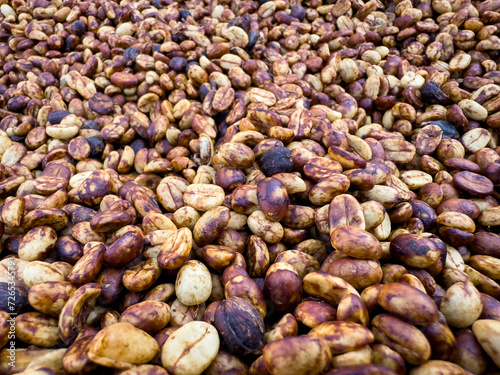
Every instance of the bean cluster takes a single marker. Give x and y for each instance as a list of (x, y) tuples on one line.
[(249, 187)]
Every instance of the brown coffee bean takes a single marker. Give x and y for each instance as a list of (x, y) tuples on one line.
[(176, 249), (463, 206), (318, 168), (272, 197), (352, 309), (473, 184), (237, 155), (485, 243), (408, 303), (241, 326), (401, 337), (210, 224), (486, 332), (218, 257), (37, 329), (76, 311), (342, 337), (414, 250), (142, 276), (149, 316), (345, 210), (244, 287), (428, 139), (313, 313), (298, 355), (283, 286), (360, 273), (356, 242), (327, 287), (301, 261), (111, 346)]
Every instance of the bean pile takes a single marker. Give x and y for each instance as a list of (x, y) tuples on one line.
[(249, 187)]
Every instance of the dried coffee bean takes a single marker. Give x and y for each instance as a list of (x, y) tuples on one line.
[(414, 250), (432, 94), (90, 124), (78, 28), (298, 12), (17, 103), (55, 117), (449, 130), (96, 147), (130, 55), (276, 160), (101, 104), (241, 326), (178, 63), (473, 184), (252, 39), (299, 355), (339, 158), (178, 37)]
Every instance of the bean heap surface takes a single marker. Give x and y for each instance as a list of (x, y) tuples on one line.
[(249, 187)]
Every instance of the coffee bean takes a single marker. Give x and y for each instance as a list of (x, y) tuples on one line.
[(78, 28), (298, 12), (449, 130), (96, 147), (473, 184), (130, 55), (90, 124), (55, 117), (178, 64), (432, 94), (276, 160)]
